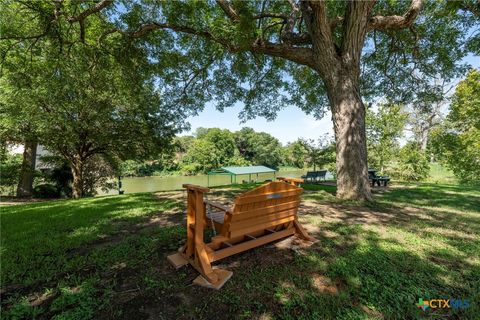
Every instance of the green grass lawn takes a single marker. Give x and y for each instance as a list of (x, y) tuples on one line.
[(105, 258), (440, 174)]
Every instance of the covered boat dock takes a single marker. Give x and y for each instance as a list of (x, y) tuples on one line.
[(233, 172)]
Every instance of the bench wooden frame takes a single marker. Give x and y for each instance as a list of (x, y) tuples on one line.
[(259, 216), (295, 181)]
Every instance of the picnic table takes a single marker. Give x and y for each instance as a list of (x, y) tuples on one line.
[(379, 180), (315, 176)]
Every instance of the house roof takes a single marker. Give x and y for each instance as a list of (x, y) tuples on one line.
[(243, 170)]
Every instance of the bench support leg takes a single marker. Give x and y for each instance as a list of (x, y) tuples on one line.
[(302, 233), (194, 252)]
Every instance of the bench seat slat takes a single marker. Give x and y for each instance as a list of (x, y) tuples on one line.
[(244, 215), (261, 226), (267, 196), (234, 226)]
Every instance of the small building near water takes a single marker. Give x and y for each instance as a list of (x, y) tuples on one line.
[(241, 171)]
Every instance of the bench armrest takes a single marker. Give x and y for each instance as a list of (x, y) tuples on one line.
[(218, 206), (195, 187)]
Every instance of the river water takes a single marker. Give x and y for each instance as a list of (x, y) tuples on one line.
[(151, 184)]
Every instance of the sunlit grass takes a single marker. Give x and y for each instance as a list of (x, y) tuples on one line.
[(440, 174), (415, 241)]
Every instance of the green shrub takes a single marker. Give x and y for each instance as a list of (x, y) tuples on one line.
[(190, 169), (62, 177), (46, 191), (10, 165), (411, 165)]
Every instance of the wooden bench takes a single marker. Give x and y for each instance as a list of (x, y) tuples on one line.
[(315, 176), (259, 216), (294, 181)]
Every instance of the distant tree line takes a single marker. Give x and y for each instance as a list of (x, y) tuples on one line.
[(453, 140), (211, 148)]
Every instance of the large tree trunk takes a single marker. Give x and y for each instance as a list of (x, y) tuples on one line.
[(77, 185), (348, 114), (25, 183)]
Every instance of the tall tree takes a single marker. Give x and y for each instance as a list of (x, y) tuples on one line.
[(430, 95), (422, 119), (10, 166), (224, 143), (87, 100), (457, 142), (384, 129), (320, 152), (296, 154), (25, 183), (212, 149), (259, 148), (17, 127), (201, 157), (269, 54)]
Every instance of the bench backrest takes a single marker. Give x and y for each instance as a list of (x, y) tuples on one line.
[(264, 207)]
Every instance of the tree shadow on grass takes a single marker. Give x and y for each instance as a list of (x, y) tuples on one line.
[(454, 197), (355, 275), (351, 273), (38, 238)]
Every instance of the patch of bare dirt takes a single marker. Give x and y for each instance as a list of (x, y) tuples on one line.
[(46, 298), (373, 313), (8, 201), (333, 212), (324, 284)]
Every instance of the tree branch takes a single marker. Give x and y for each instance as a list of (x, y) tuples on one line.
[(300, 38), (302, 56), (38, 36), (472, 9), (297, 38), (315, 16), (396, 22), (194, 74), (96, 8), (146, 28), (271, 15), (229, 11), (354, 31), (293, 16)]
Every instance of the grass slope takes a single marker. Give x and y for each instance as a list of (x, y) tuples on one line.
[(105, 258)]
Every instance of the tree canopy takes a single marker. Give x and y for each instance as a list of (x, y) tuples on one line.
[(259, 148), (457, 142), (267, 54), (82, 100), (384, 129)]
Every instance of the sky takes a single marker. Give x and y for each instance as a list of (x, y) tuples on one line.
[(291, 123)]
